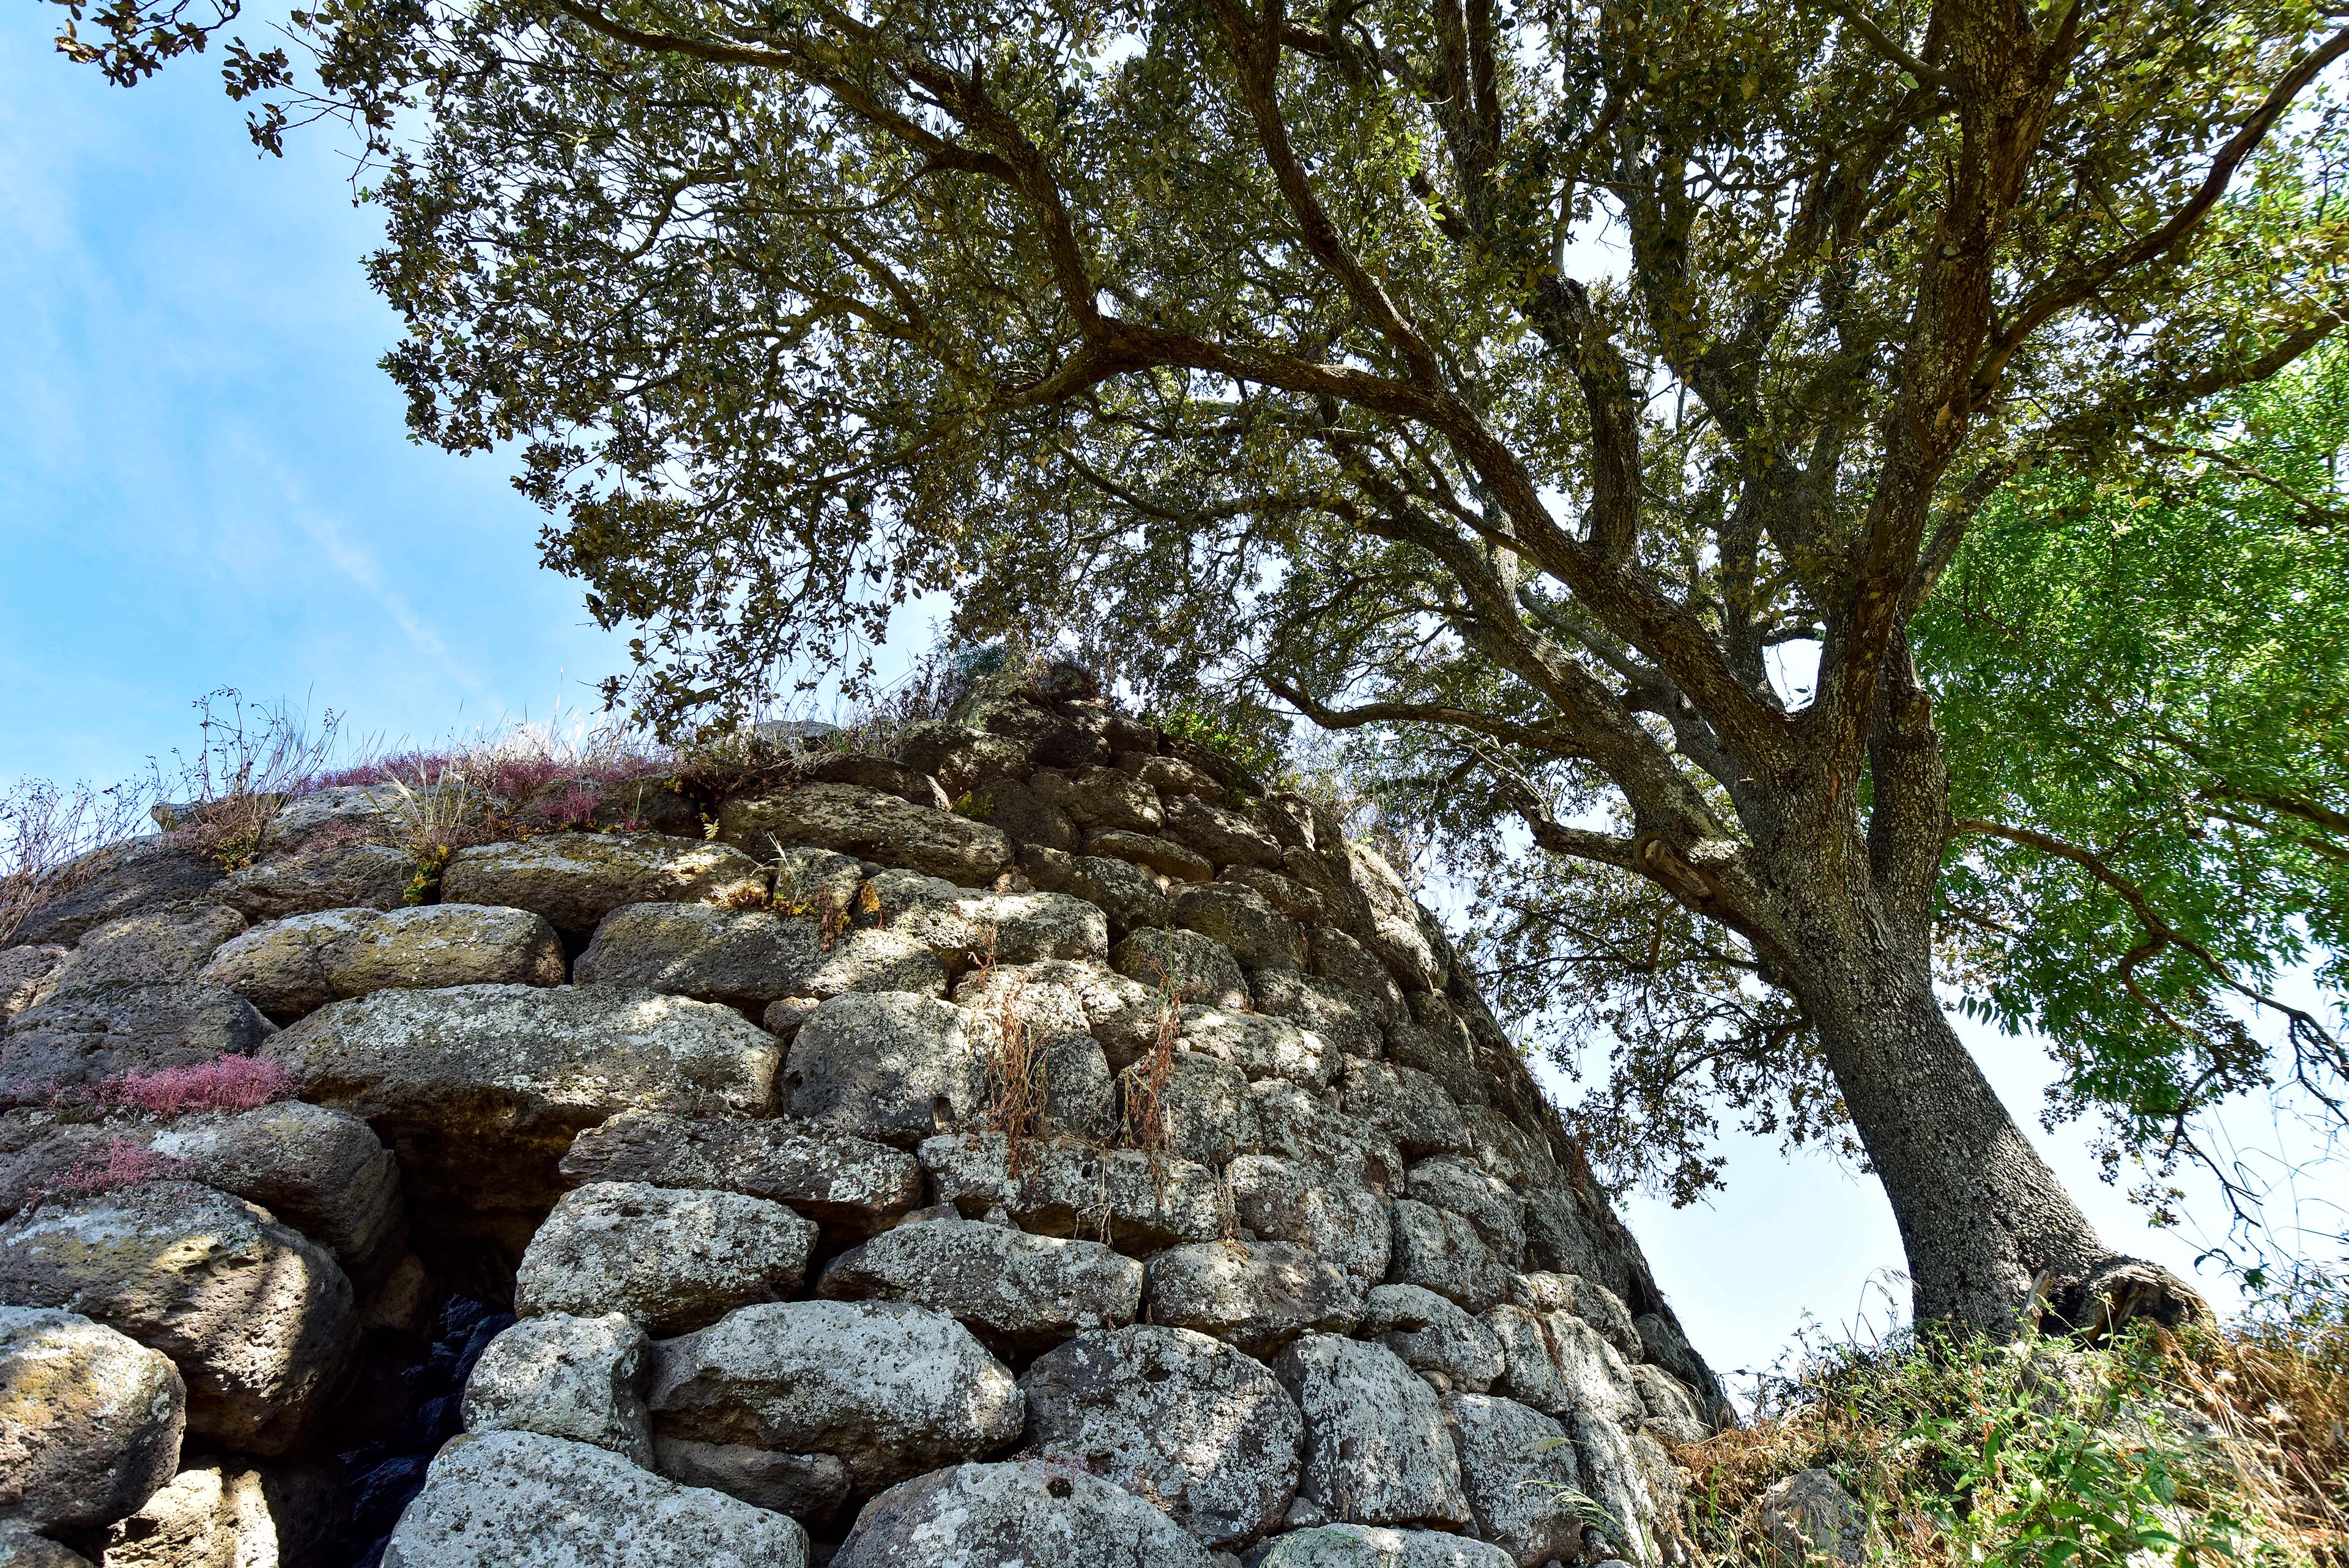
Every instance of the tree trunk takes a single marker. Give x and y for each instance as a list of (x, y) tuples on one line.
[(1981, 1214)]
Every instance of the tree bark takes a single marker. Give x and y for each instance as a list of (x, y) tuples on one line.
[(1982, 1216)]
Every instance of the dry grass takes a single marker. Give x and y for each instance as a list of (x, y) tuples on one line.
[(1019, 1085), (54, 839), (2217, 1445)]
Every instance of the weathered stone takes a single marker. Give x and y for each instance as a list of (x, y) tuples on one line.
[(967, 928), (673, 1257), (1406, 1105), (1102, 797), (1175, 1417), (1507, 1150), (1223, 835), (1255, 1295), (1432, 1334), (1342, 1018), (564, 1376), (216, 1515), (480, 1089), (1197, 1109), (1169, 774), (1437, 1249), (1243, 920), (1335, 957), (257, 1317), (961, 758), (68, 1040), (1064, 1187), (346, 813), (113, 882), (1375, 1446), (1028, 820), (1291, 898), (1596, 1377), (518, 1499), (846, 1184), (152, 947), (1057, 997), (321, 1172), (1031, 1514), (1663, 1343), (323, 876), (24, 972), (443, 945), (1375, 1546), (1300, 1126), (811, 1488), (1671, 1408), (1518, 1466), (1016, 1292), (90, 1420), (1528, 1372), (868, 772), (20, 1547), (1126, 892), (1562, 1235), (1175, 862), (1594, 1303), (752, 956), (575, 879), (1808, 1518), (1614, 1479), (1259, 1047), (1487, 1203), (890, 1389), (892, 1067), (855, 820), (1334, 1215), (281, 967), (1182, 962)]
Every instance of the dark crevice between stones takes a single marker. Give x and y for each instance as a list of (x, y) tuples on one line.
[(398, 1414)]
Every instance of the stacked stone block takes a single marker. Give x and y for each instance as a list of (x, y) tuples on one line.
[(1042, 1145)]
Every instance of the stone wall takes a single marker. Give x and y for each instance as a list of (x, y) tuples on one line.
[(1040, 1145)]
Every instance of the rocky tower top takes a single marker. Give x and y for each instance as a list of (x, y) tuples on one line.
[(1039, 1144)]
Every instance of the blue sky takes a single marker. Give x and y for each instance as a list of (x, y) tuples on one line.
[(204, 482)]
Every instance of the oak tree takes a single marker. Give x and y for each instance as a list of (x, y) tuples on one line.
[(1531, 373)]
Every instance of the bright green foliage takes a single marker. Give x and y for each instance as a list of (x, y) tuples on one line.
[(2152, 668)]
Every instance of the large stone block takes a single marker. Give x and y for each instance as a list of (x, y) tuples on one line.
[(1183, 965), (323, 876), (1518, 1470), (1255, 1295), (1346, 1020), (151, 947), (1128, 893), (1030, 1514), (1331, 1214), (1016, 1292), (893, 1067), (575, 879), (1260, 1046), (480, 1089), (672, 1258), (111, 883), (1489, 1204), (563, 1376), (853, 820), (90, 1420), (1223, 836), (257, 1318), (1375, 1546), (222, 1515), (891, 1389), (1191, 1107), (1408, 1105), (1063, 1187), (518, 1499), (1376, 1449), (1186, 1421), (1437, 1249), (1432, 1334), (1243, 920), (1101, 797), (67, 1042), (846, 1184), (752, 956)]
